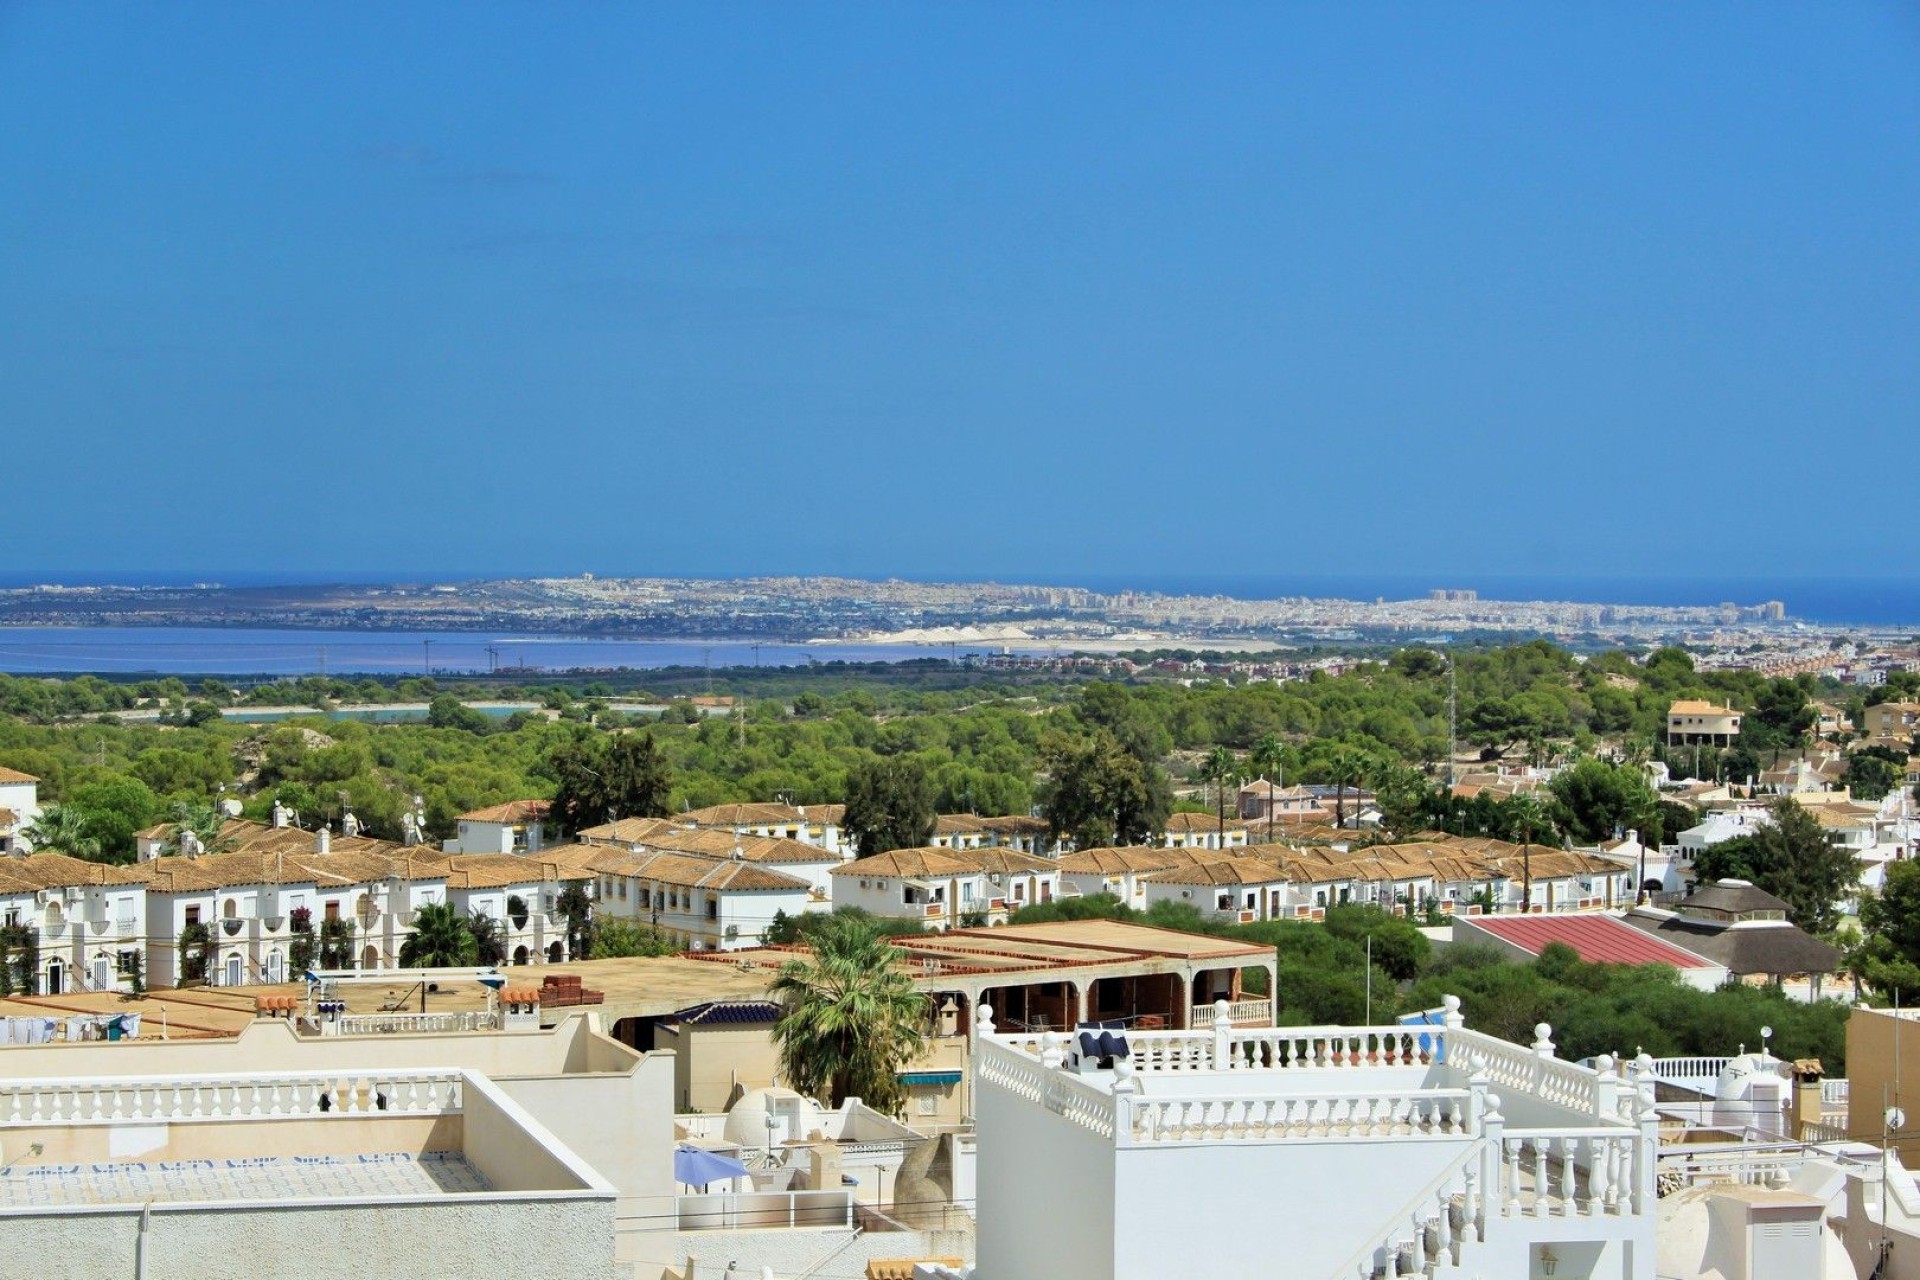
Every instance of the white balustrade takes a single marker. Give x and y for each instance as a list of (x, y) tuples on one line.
[(173, 1099), (1255, 1012), (360, 1024), (1512, 1067), (1566, 1173), (1430, 1232), (1430, 1113), (1060, 1092), (1833, 1093)]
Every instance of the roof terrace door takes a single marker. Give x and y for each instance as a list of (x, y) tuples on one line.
[(233, 971)]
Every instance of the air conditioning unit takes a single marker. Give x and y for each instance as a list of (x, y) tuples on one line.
[(47, 896)]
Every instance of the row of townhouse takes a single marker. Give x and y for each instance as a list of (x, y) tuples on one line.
[(1274, 882), (266, 898)]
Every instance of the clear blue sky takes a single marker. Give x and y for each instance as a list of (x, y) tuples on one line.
[(959, 290)]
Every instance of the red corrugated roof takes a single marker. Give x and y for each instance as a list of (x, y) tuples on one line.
[(1598, 939)]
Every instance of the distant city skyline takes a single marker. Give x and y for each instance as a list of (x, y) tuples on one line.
[(1074, 292)]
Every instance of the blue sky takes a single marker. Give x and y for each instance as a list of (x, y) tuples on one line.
[(958, 290)]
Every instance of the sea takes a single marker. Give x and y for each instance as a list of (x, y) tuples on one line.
[(1866, 602)]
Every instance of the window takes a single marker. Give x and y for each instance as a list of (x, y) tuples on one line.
[(333, 909), (126, 962), (929, 1104), (646, 897), (1224, 902), (193, 915), (713, 908)]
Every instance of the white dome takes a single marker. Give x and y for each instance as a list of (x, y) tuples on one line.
[(794, 1116)]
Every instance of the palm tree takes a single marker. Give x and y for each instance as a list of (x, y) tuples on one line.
[(201, 821), (489, 943), (1346, 766), (441, 939), (1268, 759), (65, 828), (1528, 819), (1220, 768), (852, 1018)]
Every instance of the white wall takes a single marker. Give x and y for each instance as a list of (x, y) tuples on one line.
[(1047, 1204)]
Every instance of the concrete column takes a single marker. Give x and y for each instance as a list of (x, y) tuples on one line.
[(1083, 992), (1273, 992)]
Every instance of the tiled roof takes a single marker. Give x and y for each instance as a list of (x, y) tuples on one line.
[(691, 871), (761, 815), (917, 864), (728, 1012), (1185, 823), (58, 871), (1695, 707), (511, 811), (1773, 947), (14, 775), (1222, 871), (1599, 939), (630, 830)]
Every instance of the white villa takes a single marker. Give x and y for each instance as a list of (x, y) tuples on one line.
[(943, 888), (19, 806), (1433, 1151), (518, 826), (699, 904)]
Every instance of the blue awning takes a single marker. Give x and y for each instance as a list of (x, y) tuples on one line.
[(695, 1167), (929, 1077)]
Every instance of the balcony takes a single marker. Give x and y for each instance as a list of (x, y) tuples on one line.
[(125, 927), (1242, 1013)]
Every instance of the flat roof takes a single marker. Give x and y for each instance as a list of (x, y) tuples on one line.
[(394, 1175), (1598, 939)]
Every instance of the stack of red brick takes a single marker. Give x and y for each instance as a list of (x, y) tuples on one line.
[(557, 990)]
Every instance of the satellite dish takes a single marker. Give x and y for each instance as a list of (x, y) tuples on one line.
[(1896, 1119)]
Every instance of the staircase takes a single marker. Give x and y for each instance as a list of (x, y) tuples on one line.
[(1434, 1234)]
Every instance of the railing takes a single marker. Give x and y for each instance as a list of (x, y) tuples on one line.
[(1510, 1066), (1444, 1215), (252, 1096), (125, 927), (1833, 1093), (1689, 1071), (1429, 1113), (736, 1210), (1297, 1048), (1570, 1173), (361, 1024), (1752, 1163), (1254, 1012), (1060, 1092)]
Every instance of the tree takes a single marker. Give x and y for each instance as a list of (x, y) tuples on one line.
[(625, 777), (448, 712), (1269, 759), (196, 946), (1888, 957), (1781, 719), (489, 940), (889, 805), (1602, 800), (197, 824), (576, 907), (1528, 820), (65, 829), (1346, 765), (116, 806), (441, 939), (1221, 768), (1874, 771), (614, 938), (1099, 793), (851, 1018), (1793, 858)]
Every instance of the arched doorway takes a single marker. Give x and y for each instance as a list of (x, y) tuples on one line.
[(519, 955), (233, 971), (276, 967), (556, 953), (56, 978), (370, 957)]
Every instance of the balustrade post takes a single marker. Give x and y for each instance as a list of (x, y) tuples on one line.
[(1606, 1093), (1493, 1146), (1646, 1149), (1222, 1036), (1543, 1041), (1125, 1086)]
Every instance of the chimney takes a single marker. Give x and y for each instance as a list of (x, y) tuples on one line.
[(323, 839), (279, 814), (1807, 1109)]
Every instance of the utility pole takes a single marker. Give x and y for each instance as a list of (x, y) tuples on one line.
[(1453, 722)]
